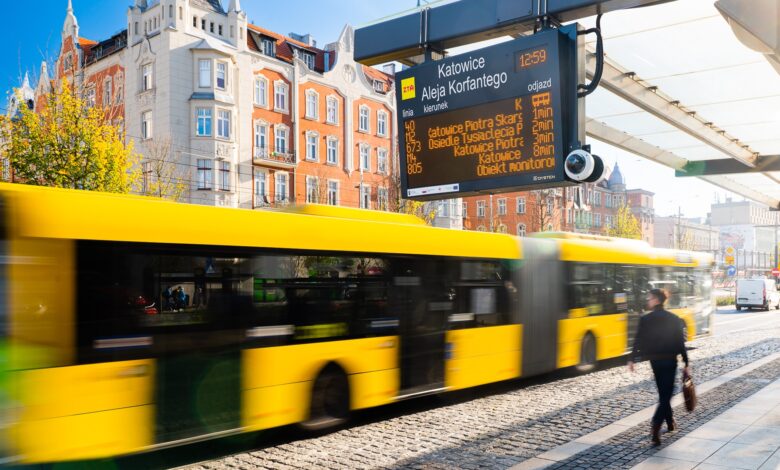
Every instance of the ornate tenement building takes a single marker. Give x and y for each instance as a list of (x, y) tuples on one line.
[(587, 208), (249, 117)]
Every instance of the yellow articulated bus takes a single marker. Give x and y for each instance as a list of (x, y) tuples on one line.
[(130, 324)]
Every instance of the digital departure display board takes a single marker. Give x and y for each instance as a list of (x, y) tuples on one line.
[(499, 119)]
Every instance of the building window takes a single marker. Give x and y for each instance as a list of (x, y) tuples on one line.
[(224, 176), (597, 199), (205, 173), (222, 75), (269, 47), (465, 210), (379, 86), (381, 161), (597, 220), (280, 96), (381, 124), (306, 57), (119, 95), (194, 22), (365, 158), (521, 205), (502, 229), (480, 208), (502, 207), (312, 193), (181, 13), (312, 103), (481, 228), (261, 137), (147, 177), (520, 230), (365, 118), (608, 200), (204, 122), (280, 190), (107, 92), (220, 30), (382, 199), (223, 124), (261, 188), (333, 146), (365, 196), (211, 27), (146, 125), (333, 193), (147, 76), (280, 140), (333, 111), (204, 73), (312, 147), (91, 97), (203, 24), (261, 92)]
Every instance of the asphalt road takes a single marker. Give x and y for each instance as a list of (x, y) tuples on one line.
[(728, 320)]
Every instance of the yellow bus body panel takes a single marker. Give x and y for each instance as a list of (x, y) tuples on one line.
[(277, 381), (41, 296), (611, 332), (687, 315), (85, 412), (483, 355), (346, 230)]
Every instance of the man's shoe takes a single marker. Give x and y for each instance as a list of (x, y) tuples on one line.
[(671, 425), (655, 434)]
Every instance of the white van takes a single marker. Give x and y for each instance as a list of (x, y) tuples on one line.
[(757, 293)]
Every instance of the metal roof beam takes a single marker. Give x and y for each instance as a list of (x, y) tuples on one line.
[(469, 21), (628, 86), (765, 163), (617, 138)]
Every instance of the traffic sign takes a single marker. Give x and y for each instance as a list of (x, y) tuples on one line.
[(731, 271), (776, 272), (502, 118)]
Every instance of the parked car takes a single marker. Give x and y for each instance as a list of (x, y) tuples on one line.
[(757, 293)]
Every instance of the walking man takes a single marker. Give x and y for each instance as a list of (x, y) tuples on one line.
[(660, 338)]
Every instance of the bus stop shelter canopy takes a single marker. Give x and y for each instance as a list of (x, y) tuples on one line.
[(680, 88)]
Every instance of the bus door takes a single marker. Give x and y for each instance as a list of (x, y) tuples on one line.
[(423, 320), (199, 359), (637, 300), (543, 285)]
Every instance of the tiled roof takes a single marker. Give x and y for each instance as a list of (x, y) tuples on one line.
[(285, 46), (378, 75), (94, 51), (213, 5)]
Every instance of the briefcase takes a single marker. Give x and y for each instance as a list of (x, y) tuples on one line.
[(689, 392)]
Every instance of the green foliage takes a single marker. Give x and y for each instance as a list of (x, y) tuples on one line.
[(625, 225), (67, 144)]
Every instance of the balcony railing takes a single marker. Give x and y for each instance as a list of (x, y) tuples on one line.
[(266, 157)]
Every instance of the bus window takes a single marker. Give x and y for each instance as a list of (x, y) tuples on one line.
[(586, 287), (481, 295)]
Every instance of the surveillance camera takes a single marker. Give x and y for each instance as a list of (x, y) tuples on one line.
[(582, 167)]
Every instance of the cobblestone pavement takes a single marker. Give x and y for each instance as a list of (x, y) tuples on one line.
[(500, 430), (631, 447)]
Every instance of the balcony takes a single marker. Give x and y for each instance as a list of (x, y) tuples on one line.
[(274, 159)]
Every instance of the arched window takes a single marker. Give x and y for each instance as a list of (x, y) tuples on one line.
[(520, 230)]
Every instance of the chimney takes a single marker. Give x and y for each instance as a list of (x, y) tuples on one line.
[(389, 69)]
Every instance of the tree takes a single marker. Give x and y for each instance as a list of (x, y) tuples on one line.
[(163, 176), (542, 209), (68, 144), (396, 202), (625, 224)]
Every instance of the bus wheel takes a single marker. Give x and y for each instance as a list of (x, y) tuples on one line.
[(329, 400), (587, 354)]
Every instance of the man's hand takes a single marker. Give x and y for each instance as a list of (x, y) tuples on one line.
[(631, 366), (687, 370)]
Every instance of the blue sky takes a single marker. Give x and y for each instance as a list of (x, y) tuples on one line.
[(35, 32)]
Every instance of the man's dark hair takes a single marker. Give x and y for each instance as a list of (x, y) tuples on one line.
[(660, 295)]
